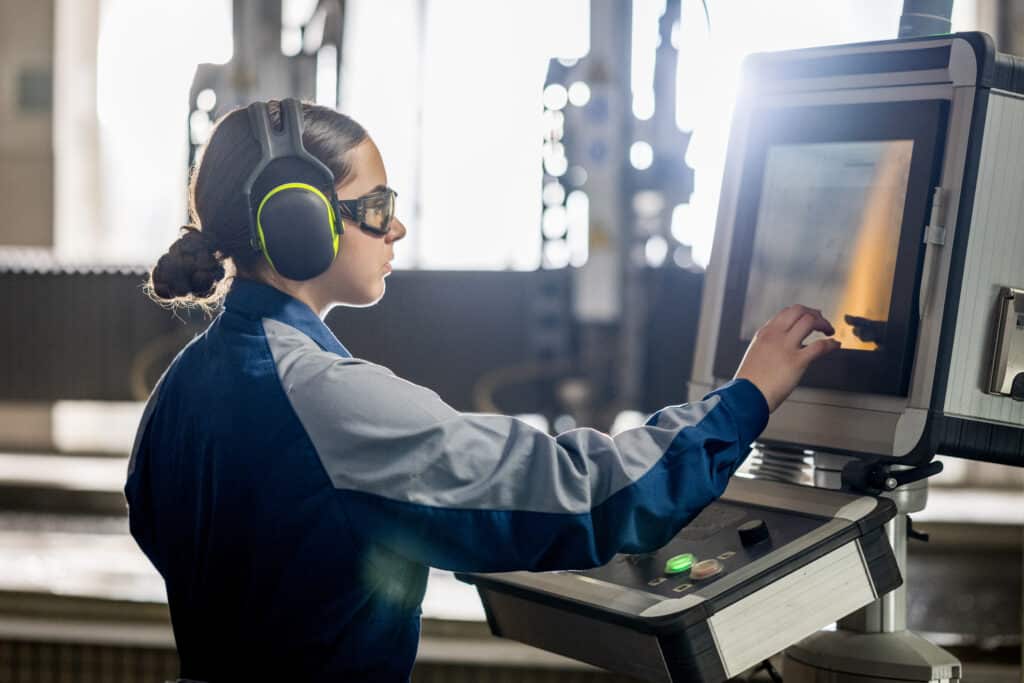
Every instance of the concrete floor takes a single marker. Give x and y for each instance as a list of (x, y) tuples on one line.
[(80, 578)]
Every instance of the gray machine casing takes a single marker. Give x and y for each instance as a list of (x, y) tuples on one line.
[(947, 408)]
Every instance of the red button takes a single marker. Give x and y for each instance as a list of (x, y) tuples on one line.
[(705, 569)]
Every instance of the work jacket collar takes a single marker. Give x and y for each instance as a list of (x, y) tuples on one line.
[(256, 301)]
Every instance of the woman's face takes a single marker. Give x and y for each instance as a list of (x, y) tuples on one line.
[(356, 278)]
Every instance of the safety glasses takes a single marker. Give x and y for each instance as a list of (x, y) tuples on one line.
[(372, 211)]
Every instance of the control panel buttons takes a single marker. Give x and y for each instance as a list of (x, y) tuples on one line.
[(657, 581), (682, 588), (679, 563), (753, 531), (705, 569)]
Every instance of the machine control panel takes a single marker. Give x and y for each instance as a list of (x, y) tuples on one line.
[(761, 568), (723, 538)]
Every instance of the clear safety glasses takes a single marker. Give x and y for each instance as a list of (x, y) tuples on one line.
[(372, 211)]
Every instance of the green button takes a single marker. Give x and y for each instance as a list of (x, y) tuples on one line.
[(679, 563)]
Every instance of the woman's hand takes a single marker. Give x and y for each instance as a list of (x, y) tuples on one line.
[(777, 358)]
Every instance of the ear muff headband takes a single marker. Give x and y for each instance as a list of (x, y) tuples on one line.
[(294, 186)]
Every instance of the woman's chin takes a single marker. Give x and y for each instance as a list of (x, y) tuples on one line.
[(368, 298)]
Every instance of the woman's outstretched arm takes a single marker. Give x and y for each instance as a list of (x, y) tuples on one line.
[(474, 492)]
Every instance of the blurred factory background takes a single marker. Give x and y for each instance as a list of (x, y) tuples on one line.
[(558, 165)]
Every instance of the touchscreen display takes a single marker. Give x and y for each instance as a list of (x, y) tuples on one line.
[(827, 235)]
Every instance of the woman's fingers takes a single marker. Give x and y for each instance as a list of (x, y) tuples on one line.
[(817, 349), (812, 321), (787, 317)]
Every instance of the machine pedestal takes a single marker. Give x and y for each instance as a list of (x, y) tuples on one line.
[(849, 657), (873, 644)]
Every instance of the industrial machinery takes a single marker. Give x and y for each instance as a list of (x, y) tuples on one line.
[(276, 55), (880, 183)]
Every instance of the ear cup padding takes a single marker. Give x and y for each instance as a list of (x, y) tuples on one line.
[(297, 232)]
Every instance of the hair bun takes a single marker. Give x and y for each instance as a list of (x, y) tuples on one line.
[(190, 267)]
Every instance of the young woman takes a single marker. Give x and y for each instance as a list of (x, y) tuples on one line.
[(292, 496)]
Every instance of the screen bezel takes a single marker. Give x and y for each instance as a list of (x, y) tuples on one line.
[(923, 122)]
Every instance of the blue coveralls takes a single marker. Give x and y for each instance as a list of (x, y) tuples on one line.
[(292, 497)]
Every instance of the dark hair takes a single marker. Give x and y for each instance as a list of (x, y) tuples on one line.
[(216, 242)]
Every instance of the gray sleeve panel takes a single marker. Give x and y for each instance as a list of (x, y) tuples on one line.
[(674, 418), (377, 433)]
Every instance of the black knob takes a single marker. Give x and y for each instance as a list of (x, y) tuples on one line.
[(753, 532)]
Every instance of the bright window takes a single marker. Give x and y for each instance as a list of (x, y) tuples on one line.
[(143, 78), (450, 90), (453, 99)]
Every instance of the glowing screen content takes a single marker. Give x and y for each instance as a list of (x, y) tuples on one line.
[(827, 235)]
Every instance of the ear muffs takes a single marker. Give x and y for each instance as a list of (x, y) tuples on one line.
[(294, 218)]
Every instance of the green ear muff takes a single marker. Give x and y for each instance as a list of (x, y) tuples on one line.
[(302, 204), (294, 218)]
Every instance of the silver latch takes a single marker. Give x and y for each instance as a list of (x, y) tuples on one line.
[(1008, 355)]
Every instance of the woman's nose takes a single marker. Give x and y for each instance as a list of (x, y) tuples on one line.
[(396, 232)]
